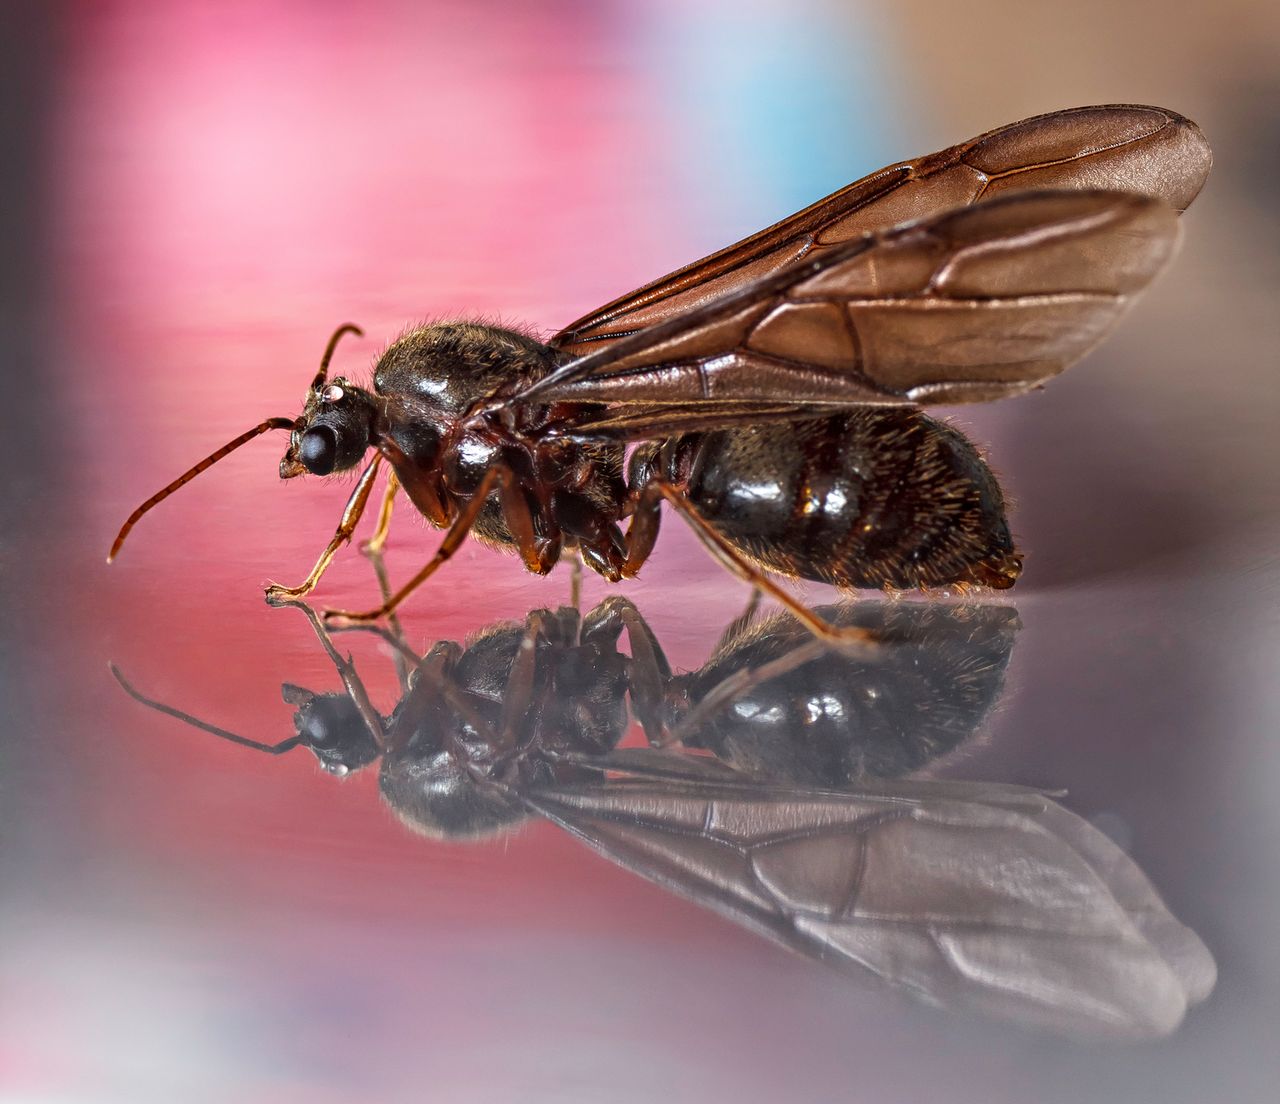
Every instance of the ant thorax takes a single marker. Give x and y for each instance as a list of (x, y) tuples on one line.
[(451, 366), (432, 385)]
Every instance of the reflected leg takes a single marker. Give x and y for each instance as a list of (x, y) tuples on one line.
[(575, 580), (650, 671), (742, 567), (521, 683), (396, 633), (738, 683), (433, 673), (406, 656), (351, 681)]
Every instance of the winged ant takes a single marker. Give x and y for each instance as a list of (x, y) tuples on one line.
[(771, 392)]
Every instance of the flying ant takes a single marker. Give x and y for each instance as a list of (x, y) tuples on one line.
[(771, 391), (798, 826)]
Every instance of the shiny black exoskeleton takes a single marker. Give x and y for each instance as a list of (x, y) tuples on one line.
[(877, 497), (835, 719), (872, 498)]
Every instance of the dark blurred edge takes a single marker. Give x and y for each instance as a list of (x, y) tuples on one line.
[(35, 483)]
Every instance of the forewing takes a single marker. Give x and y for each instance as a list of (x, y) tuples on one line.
[(1145, 150), (975, 304), (963, 894)]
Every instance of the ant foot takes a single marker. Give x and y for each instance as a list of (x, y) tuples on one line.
[(278, 595)]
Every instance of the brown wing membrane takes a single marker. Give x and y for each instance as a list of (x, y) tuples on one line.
[(1145, 150), (976, 304), (965, 895)]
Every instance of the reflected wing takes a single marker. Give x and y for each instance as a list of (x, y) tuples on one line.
[(1145, 150), (967, 895), (972, 305)]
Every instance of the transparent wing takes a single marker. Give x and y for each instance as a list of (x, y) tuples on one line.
[(976, 304), (1145, 150)]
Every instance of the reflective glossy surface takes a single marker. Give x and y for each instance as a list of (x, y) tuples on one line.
[(799, 826), (211, 194)]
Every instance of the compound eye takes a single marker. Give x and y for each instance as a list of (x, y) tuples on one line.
[(318, 450)]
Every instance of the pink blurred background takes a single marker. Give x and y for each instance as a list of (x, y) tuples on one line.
[(211, 188)]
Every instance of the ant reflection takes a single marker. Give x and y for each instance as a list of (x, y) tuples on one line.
[(531, 703), (775, 790)]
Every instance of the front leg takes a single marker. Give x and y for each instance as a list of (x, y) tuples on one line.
[(539, 555), (422, 485), (278, 595)]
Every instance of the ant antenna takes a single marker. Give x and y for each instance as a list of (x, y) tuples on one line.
[(243, 741), (231, 446), (187, 476), (345, 328)]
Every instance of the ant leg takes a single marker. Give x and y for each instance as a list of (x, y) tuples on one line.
[(650, 671), (575, 580), (351, 681), (539, 556), (735, 561), (433, 684), (642, 533), (432, 675), (375, 543), (393, 642), (650, 674), (418, 483), (452, 542), (277, 594), (396, 634), (519, 519), (518, 694), (735, 685)]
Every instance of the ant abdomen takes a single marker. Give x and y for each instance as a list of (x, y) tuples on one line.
[(871, 498)]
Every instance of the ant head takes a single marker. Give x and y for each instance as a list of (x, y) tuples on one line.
[(330, 725), (333, 431)]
